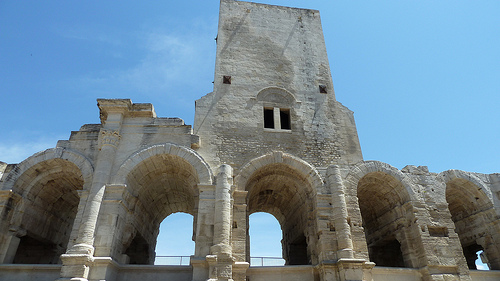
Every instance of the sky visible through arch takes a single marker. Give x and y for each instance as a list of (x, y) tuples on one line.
[(422, 77)]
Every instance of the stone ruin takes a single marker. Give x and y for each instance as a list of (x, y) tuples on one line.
[(271, 137)]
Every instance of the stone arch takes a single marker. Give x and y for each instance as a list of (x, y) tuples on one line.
[(276, 95), (79, 160), (203, 170), (47, 188), (472, 211), (285, 187), (159, 180), (365, 167), (451, 175), (313, 176), (381, 199)]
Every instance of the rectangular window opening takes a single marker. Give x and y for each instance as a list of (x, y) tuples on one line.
[(268, 118), (285, 119)]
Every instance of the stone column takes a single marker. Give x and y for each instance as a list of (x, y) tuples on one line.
[(221, 260), (83, 195), (108, 145), (77, 260), (83, 250), (348, 267), (342, 228)]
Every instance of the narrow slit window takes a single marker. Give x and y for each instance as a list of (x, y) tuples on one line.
[(268, 118), (285, 119)]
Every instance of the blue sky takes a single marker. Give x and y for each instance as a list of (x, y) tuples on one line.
[(422, 77)]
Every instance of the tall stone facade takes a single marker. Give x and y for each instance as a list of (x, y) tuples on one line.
[(271, 138)]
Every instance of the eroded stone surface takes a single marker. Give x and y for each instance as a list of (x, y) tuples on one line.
[(270, 138)]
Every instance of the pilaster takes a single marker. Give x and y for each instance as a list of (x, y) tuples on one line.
[(239, 226), (114, 209), (204, 232)]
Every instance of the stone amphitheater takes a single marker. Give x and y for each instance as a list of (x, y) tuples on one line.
[(272, 138)]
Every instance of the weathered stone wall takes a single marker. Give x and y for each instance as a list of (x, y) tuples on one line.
[(276, 58), (270, 138)]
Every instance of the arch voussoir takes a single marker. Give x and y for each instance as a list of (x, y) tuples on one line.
[(202, 169)]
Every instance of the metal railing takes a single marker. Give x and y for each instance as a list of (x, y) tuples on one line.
[(184, 260), (172, 260), (266, 261)]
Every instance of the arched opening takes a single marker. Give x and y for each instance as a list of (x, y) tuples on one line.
[(50, 198), (265, 240), (175, 242), (163, 184), (284, 192), (481, 262), (473, 214), (384, 211)]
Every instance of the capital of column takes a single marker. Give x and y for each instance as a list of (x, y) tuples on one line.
[(109, 137)]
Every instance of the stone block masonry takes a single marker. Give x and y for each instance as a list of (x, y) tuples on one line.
[(271, 137)]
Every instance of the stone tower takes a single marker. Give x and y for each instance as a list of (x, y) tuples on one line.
[(270, 138), (273, 91)]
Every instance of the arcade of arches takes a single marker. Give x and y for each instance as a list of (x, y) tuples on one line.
[(50, 192), (45, 209), (90, 209)]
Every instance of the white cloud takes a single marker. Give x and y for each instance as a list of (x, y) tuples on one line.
[(165, 60)]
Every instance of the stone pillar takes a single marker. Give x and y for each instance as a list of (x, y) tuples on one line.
[(8, 238), (78, 258), (239, 226), (326, 245), (348, 267), (9, 242), (204, 232), (490, 248), (221, 260), (83, 195), (114, 208), (342, 228), (239, 236), (83, 250)]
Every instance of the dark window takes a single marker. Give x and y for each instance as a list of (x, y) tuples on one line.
[(285, 119), (34, 251), (268, 118), (387, 253), (323, 89), (138, 251)]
